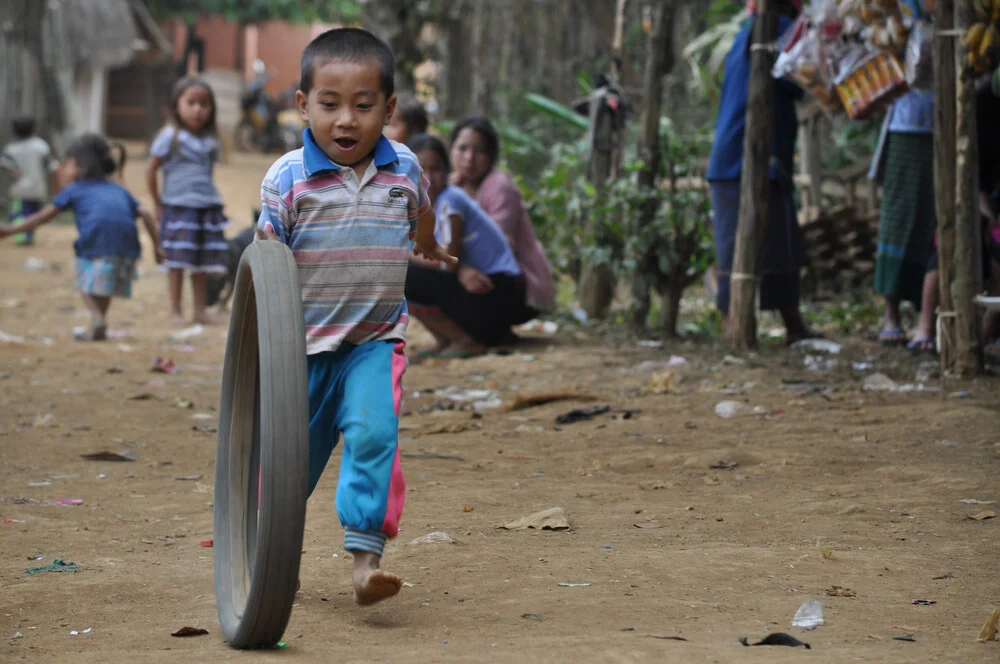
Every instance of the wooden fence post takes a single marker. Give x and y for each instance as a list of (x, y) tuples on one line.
[(968, 232), (755, 187), (944, 175)]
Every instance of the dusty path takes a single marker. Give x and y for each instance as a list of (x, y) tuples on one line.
[(848, 489)]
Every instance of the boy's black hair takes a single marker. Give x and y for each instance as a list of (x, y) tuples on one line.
[(23, 126), (423, 142), (484, 128), (352, 45), (92, 153), (413, 114)]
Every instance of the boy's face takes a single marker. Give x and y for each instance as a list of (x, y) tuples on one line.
[(397, 130), (346, 109)]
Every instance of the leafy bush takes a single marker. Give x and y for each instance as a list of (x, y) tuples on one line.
[(579, 222)]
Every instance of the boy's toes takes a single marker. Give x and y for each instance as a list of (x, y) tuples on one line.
[(376, 587)]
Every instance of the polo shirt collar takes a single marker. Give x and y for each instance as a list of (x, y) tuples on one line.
[(315, 160)]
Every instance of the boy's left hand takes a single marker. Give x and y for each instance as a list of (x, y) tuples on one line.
[(160, 255), (434, 251)]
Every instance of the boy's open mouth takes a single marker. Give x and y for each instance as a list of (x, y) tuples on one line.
[(345, 143)]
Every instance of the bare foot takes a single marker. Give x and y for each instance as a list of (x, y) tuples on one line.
[(177, 320), (371, 586)]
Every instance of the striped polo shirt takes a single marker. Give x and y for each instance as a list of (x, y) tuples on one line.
[(351, 239)]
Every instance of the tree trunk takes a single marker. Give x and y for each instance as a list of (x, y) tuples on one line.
[(596, 289), (755, 188), (479, 87), (944, 176), (670, 303), (21, 62), (968, 232), (659, 43)]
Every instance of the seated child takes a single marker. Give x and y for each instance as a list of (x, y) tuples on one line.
[(409, 120)]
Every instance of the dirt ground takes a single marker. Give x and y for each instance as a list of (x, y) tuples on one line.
[(836, 488)]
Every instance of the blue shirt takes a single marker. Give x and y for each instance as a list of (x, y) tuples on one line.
[(484, 245), (187, 168), (105, 218), (726, 161), (913, 113)]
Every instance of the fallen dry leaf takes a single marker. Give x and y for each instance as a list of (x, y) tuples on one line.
[(649, 525), (990, 627), (450, 427), (838, 591), (661, 383), (553, 518), (984, 515), (653, 485), (105, 455), (190, 631), (521, 402)]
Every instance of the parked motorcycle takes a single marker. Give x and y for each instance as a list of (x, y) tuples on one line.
[(267, 124)]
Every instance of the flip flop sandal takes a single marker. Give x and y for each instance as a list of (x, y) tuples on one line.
[(921, 346), (892, 337)]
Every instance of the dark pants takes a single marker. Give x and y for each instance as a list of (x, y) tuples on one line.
[(781, 261), (486, 318)]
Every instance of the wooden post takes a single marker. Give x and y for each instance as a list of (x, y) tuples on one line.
[(649, 149), (944, 174), (755, 187), (968, 233), (596, 286)]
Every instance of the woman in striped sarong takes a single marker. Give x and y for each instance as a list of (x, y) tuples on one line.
[(904, 163)]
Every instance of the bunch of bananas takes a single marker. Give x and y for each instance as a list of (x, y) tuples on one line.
[(983, 39)]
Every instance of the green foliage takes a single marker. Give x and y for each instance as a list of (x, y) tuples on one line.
[(579, 222), (252, 11), (560, 112), (855, 316)]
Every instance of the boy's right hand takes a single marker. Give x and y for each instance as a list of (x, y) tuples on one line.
[(267, 233), (7, 231)]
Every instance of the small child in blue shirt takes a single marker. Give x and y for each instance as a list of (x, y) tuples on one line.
[(108, 247)]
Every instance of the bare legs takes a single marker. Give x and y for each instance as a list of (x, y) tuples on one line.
[(199, 291), (98, 306), (176, 280)]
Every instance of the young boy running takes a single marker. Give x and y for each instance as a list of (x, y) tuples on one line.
[(350, 204)]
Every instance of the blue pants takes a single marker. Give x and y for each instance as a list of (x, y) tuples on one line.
[(356, 391)]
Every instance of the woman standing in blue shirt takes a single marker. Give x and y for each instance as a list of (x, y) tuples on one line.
[(781, 261), (904, 163)]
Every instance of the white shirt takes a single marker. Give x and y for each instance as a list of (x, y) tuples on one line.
[(32, 159)]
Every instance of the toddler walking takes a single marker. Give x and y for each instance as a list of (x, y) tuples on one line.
[(349, 204), (108, 247), (28, 159), (190, 207)]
